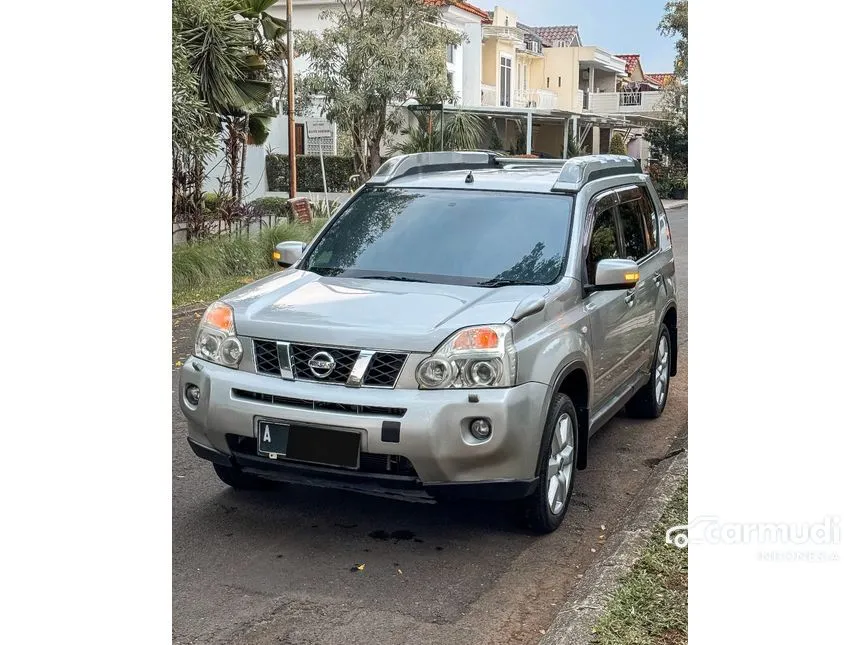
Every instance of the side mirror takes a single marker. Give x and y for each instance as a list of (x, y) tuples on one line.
[(288, 253), (613, 275)]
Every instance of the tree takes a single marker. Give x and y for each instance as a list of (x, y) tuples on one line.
[(669, 138), (376, 56), (616, 145), (463, 131), (674, 23), (228, 46)]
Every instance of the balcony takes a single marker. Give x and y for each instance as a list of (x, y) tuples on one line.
[(625, 102), (489, 96), (513, 34), (540, 99), (532, 48)]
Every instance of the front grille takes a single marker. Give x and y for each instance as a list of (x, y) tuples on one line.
[(344, 360), (325, 406), (266, 354), (384, 369)]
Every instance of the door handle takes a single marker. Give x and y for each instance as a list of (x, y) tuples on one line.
[(658, 278)]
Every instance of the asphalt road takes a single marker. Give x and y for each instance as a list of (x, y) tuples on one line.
[(282, 566)]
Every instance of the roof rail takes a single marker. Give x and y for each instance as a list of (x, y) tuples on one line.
[(578, 171), (403, 165)]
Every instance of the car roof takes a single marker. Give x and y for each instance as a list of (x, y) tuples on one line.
[(510, 178), (487, 171)]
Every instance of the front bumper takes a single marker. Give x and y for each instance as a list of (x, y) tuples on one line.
[(433, 429)]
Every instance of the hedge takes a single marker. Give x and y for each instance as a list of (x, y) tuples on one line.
[(338, 170)]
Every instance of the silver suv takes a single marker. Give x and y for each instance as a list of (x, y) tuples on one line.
[(461, 326)]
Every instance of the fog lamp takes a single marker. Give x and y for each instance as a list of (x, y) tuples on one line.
[(480, 428), (192, 393)]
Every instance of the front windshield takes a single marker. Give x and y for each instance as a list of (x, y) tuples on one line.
[(465, 237)]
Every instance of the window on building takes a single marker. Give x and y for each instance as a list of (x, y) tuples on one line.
[(522, 76), (506, 22), (559, 81), (547, 82), (505, 73), (450, 53)]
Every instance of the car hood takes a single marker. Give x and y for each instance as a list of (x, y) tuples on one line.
[(300, 306)]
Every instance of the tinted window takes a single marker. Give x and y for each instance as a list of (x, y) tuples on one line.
[(650, 214), (447, 236), (633, 229), (604, 241)]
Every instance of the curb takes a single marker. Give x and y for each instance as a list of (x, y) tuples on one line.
[(677, 205), (190, 309), (574, 622)]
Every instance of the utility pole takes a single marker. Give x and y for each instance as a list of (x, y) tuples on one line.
[(291, 99)]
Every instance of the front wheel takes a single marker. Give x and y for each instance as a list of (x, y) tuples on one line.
[(547, 506), (650, 401)]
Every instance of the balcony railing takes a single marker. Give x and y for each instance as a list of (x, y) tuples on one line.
[(504, 33), (620, 102), (489, 96), (540, 99)]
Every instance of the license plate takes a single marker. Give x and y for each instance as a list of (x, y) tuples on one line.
[(311, 445)]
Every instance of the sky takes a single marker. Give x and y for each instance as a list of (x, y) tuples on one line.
[(619, 26)]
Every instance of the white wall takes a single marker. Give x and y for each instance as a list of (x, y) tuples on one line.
[(471, 62)]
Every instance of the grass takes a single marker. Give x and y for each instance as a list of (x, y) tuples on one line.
[(650, 607), (204, 271)]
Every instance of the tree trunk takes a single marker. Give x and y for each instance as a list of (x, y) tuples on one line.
[(376, 141)]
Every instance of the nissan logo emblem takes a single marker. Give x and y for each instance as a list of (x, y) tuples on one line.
[(322, 364)]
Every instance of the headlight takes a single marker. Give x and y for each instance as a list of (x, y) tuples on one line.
[(216, 336), (472, 358)]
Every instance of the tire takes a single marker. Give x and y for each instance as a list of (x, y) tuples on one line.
[(238, 480), (538, 514), (649, 402)]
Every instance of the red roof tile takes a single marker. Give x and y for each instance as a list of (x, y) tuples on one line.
[(631, 61), (460, 4), (662, 79)]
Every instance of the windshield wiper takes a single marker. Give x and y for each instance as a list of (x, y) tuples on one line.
[(503, 282), (396, 278)]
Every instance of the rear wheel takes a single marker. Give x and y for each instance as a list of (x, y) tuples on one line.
[(235, 478), (650, 401), (547, 506)]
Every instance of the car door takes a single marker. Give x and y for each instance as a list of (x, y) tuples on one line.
[(639, 242), (609, 312)]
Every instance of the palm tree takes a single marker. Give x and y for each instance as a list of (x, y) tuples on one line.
[(229, 58), (463, 131)]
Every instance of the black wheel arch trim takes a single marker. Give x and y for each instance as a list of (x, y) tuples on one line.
[(673, 336), (582, 412)]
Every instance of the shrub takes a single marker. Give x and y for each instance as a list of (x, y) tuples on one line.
[(199, 263), (616, 145), (271, 207), (309, 174)]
